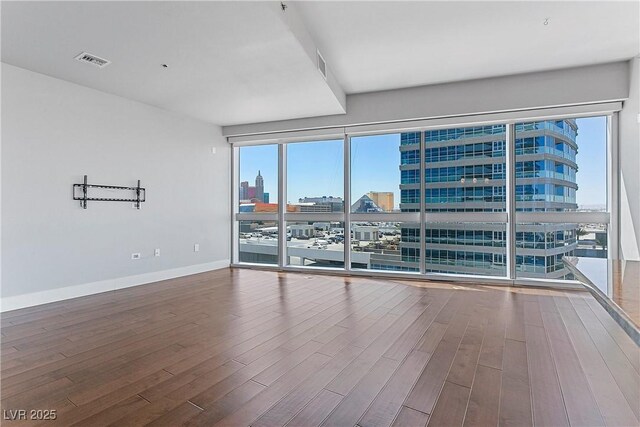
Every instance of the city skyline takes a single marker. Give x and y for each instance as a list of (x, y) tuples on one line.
[(315, 168), (256, 192)]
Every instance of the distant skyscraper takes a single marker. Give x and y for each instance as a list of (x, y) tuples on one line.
[(259, 188), (384, 199), (255, 193), (244, 190)]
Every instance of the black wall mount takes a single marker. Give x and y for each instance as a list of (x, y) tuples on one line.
[(81, 193)]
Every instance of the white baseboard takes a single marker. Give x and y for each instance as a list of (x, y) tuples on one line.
[(44, 297)]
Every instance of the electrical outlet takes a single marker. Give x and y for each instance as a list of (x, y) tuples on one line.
[(157, 252), (136, 255), (196, 247), (213, 150)]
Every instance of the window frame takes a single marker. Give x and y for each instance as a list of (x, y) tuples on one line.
[(510, 217)]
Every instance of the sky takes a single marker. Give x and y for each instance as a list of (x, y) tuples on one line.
[(592, 161), (263, 158), (316, 168)]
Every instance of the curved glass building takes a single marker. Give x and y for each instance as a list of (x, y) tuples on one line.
[(465, 172)]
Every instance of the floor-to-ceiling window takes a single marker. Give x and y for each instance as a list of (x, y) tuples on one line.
[(561, 178), (503, 200), (315, 200), (385, 187), (258, 198), (465, 200)]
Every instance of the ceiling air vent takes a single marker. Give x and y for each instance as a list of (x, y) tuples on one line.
[(93, 60), (322, 65)]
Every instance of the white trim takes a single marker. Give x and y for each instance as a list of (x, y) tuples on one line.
[(549, 283), (235, 202), (613, 186), (282, 205), (510, 198), (347, 202), (422, 256), (60, 294)]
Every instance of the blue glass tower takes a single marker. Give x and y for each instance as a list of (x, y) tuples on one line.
[(465, 172)]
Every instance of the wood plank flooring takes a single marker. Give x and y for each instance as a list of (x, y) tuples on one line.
[(238, 347)]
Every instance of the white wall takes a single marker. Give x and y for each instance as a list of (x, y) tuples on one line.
[(630, 168), (54, 132)]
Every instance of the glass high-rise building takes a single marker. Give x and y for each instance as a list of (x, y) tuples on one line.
[(465, 172)]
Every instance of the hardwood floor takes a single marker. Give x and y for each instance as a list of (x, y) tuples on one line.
[(239, 347)]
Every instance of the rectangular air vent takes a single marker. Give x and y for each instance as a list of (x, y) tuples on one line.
[(93, 60), (322, 65)]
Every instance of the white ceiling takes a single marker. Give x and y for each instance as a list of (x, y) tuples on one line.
[(239, 62), (228, 62), (373, 46)]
